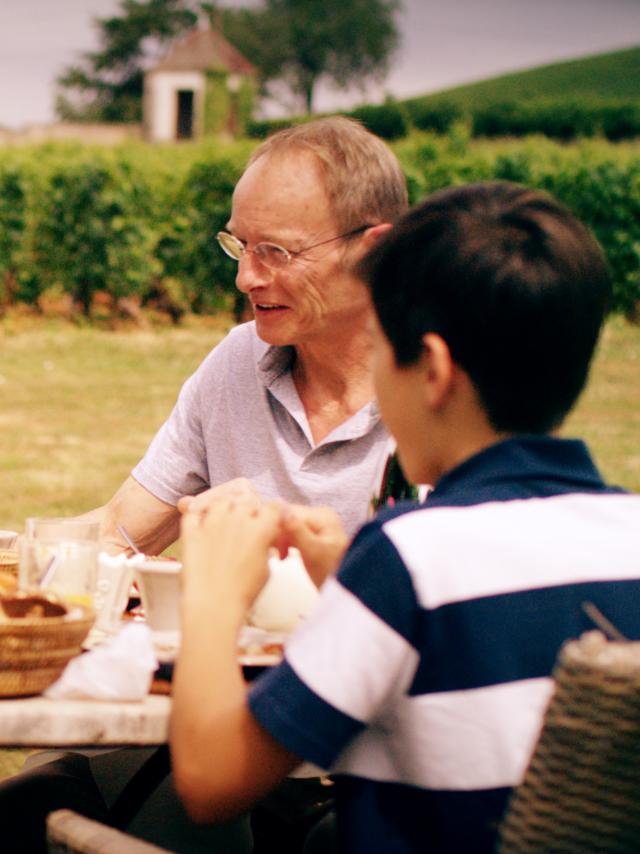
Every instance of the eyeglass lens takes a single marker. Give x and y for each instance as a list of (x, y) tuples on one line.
[(268, 253)]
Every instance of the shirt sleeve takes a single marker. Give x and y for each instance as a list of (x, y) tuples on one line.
[(175, 463), (350, 660)]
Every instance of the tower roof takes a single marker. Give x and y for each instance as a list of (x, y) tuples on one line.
[(204, 50)]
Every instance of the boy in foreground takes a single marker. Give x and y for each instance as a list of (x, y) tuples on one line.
[(421, 678)]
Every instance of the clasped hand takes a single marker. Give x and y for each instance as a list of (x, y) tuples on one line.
[(229, 531)]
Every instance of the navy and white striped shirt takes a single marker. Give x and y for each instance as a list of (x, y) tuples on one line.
[(421, 678)]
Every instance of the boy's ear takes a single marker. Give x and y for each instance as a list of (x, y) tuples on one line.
[(439, 369)]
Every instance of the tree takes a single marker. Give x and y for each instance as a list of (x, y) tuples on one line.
[(107, 85), (299, 42), (295, 43)]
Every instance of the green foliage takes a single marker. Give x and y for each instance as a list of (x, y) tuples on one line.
[(92, 232), (591, 97), (606, 195), (189, 250), (12, 225), (290, 44), (562, 119), (386, 120), (141, 220), (245, 99), (605, 76), (437, 116), (295, 46), (216, 102), (261, 128), (598, 181), (107, 84)]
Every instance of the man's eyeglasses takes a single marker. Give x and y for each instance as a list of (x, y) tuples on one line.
[(270, 254)]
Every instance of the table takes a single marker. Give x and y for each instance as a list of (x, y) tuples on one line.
[(40, 722)]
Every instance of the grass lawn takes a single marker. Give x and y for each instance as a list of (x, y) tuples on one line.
[(79, 406), (608, 414)]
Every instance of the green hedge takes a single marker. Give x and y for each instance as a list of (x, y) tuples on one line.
[(389, 120), (557, 118), (598, 181), (562, 119), (141, 221)]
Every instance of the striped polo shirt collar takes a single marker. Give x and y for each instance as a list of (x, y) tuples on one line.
[(520, 467)]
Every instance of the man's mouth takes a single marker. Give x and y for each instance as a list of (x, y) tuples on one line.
[(261, 306)]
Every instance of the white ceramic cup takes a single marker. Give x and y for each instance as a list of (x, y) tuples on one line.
[(159, 585)]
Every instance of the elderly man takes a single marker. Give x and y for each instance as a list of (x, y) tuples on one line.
[(284, 405)]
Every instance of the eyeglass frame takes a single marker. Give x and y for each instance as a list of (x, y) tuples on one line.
[(287, 254)]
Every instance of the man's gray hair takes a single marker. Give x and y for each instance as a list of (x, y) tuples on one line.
[(362, 177)]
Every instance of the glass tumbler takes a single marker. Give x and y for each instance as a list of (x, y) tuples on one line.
[(61, 556)]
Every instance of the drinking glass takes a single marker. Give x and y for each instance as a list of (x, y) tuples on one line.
[(41, 528), (8, 539), (61, 555)]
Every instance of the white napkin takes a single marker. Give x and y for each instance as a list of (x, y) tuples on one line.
[(121, 669)]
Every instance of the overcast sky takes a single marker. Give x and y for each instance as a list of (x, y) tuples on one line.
[(444, 43)]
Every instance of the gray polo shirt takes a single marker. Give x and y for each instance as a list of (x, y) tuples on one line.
[(240, 415)]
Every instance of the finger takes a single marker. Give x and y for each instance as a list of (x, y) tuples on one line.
[(184, 503), (314, 516), (266, 518), (189, 524)]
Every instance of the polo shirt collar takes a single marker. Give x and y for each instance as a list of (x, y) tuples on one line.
[(274, 362), (274, 371)]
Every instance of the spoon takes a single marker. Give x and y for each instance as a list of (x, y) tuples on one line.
[(125, 535), (49, 571)]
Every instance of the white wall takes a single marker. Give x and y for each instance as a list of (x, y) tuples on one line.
[(161, 102), (113, 133)]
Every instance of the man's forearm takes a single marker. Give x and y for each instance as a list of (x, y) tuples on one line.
[(151, 523)]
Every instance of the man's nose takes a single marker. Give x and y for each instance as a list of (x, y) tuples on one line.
[(251, 273)]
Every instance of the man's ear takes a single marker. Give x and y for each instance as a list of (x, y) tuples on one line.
[(357, 250), (373, 234), (439, 369)]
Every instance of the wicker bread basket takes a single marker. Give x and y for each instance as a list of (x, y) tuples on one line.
[(35, 650), (9, 561)]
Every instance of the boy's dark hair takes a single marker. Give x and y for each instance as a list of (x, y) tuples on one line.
[(514, 284)]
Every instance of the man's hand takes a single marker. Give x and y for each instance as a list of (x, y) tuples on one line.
[(239, 487), (318, 533)]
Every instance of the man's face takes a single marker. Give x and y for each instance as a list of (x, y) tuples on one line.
[(282, 200)]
